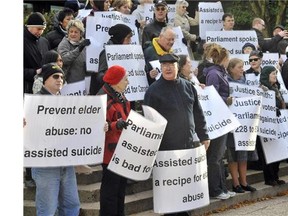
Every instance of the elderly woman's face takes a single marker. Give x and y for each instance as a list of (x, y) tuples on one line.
[(74, 34), (182, 9)]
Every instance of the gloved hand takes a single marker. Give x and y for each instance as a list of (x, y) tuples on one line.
[(278, 112), (137, 24), (85, 42), (198, 39), (121, 124), (184, 41)]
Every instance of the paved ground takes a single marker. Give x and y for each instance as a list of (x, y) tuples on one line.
[(276, 206)]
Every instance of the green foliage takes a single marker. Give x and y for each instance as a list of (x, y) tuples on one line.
[(243, 15)]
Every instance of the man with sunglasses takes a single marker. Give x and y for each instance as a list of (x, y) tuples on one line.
[(160, 20), (56, 187)]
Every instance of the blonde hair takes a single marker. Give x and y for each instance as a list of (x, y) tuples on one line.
[(76, 23), (217, 53)]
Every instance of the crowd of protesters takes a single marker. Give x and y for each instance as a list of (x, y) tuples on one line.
[(61, 54)]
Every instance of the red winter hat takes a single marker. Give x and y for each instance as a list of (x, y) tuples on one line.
[(114, 74)]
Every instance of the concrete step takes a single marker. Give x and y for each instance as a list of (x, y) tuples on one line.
[(139, 198), (134, 203)]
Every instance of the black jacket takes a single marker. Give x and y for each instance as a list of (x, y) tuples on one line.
[(177, 101), (55, 37), (151, 31), (34, 49), (267, 45)]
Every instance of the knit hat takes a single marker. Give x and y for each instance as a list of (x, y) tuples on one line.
[(114, 74), (248, 45), (50, 69), (36, 20), (169, 58), (118, 33)]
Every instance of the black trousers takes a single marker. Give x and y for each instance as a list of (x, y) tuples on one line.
[(270, 171), (112, 194)]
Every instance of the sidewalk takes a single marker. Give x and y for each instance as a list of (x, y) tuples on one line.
[(276, 206)]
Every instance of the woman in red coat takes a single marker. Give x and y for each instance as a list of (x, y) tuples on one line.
[(112, 191)]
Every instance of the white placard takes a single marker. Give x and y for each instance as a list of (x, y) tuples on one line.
[(233, 41), (138, 145), (76, 88), (277, 149), (212, 103), (130, 57), (97, 28), (64, 130), (180, 180), (268, 124), (247, 111), (210, 17)]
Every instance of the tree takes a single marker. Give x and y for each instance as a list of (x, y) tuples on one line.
[(273, 12)]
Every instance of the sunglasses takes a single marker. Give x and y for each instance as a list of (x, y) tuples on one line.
[(56, 76), (160, 9), (252, 60)]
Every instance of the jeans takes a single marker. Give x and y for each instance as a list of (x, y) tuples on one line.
[(216, 170), (56, 189)]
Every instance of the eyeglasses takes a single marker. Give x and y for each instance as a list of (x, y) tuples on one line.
[(252, 60), (160, 9), (56, 76), (169, 39), (168, 65), (263, 25)]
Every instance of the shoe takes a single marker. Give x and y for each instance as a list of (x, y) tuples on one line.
[(238, 189), (30, 183), (248, 188), (280, 182), (230, 193), (271, 183), (222, 196)]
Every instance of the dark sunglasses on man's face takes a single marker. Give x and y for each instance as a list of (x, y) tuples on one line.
[(254, 59), (160, 8), (56, 76)]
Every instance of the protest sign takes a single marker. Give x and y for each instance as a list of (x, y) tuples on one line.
[(277, 149), (210, 17), (233, 41), (212, 103), (76, 88), (63, 130), (268, 123), (180, 180), (138, 145), (97, 28), (130, 57), (247, 111)]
